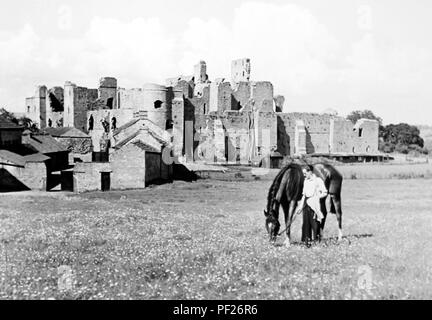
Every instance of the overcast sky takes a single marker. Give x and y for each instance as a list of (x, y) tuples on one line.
[(339, 54)]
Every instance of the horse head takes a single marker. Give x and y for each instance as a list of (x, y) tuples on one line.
[(272, 225)]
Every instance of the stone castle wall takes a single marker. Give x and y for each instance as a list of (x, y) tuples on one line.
[(222, 120)]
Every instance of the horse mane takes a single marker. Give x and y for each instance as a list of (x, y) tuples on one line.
[(294, 187)]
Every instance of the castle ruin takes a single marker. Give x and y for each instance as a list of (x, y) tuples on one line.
[(235, 120)]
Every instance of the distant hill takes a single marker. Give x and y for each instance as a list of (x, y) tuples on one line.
[(426, 134)]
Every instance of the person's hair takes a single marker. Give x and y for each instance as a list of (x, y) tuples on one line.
[(307, 168)]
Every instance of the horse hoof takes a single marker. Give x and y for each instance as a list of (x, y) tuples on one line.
[(340, 237)]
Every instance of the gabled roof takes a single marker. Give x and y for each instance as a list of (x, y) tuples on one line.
[(125, 126), (12, 158), (124, 142), (43, 144), (142, 145), (65, 132), (8, 124), (21, 161), (37, 157)]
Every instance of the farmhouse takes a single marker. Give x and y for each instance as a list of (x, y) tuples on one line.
[(23, 164)]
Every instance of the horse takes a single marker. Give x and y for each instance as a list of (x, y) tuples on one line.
[(333, 202), (287, 190)]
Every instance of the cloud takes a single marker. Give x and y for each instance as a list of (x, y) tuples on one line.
[(285, 42), (17, 50), (288, 45)]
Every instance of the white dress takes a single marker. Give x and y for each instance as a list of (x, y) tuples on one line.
[(314, 189)]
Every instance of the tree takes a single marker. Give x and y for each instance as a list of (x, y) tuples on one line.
[(363, 114), (8, 115), (401, 138), (23, 121)]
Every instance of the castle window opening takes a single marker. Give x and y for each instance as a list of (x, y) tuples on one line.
[(110, 103), (158, 104), (360, 132), (113, 123), (28, 109), (49, 123), (169, 125), (91, 123)]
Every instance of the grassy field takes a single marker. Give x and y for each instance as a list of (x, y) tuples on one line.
[(206, 240), (387, 171)]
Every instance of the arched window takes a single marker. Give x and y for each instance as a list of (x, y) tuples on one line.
[(158, 104), (49, 123), (360, 132), (28, 109), (91, 123)]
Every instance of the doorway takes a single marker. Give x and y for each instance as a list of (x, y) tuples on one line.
[(105, 181)]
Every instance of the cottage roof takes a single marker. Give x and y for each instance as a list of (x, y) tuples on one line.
[(19, 160), (65, 132), (43, 144), (125, 126), (142, 145), (12, 158), (8, 124), (36, 157)]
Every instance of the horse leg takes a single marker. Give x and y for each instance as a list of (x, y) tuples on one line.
[(326, 209), (289, 209), (338, 206)]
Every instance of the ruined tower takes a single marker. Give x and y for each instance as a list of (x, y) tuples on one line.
[(240, 70), (108, 92), (36, 107), (157, 104), (200, 72)]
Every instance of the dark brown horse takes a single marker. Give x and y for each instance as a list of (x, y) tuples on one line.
[(333, 202), (287, 189)]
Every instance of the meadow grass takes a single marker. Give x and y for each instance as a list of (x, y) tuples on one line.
[(206, 240), (386, 171)]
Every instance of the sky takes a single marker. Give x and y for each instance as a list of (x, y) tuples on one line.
[(335, 54)]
